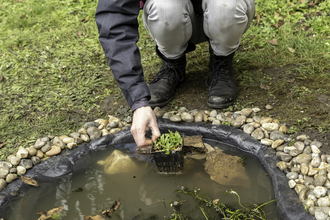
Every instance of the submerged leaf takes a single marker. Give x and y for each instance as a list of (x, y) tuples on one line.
[(50, 213), (29, 181), (96, 217)]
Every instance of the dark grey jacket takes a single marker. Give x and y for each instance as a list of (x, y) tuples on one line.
[(118, 28)]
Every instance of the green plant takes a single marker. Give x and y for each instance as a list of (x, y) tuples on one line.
[(168, 142), (254, 212)]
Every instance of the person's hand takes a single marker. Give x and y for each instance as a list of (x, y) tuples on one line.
[(144, 118)]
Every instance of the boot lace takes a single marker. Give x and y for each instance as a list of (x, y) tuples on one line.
[(219, 73), (166, 72)]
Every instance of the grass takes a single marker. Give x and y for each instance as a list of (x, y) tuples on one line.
[(56, 75)]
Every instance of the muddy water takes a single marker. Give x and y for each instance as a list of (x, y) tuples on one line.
[(143, 193)]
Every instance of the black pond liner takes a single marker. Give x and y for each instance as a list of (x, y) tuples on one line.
[(70, 161)]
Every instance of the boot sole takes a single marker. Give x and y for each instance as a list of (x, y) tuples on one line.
[(221, 106), (161, 105)]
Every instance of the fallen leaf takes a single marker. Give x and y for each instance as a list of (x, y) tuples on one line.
[(273, 42), (29, 181), (291, 50), (96, 217), (4, 143), (279, 9), (79, 33), (262, 86), (276, 14), (215, 202), (291, 80), (50, 213)]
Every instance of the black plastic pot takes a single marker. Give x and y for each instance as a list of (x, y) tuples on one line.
[(171, 163)]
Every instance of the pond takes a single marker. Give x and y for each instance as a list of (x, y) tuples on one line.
[(143, 192)]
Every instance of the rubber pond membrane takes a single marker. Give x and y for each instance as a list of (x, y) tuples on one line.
[(62, 169), (142, 191)]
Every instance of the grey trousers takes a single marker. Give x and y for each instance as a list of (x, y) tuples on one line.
[(172, 23)]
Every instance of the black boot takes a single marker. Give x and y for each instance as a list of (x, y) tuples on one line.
[(221, 81), (171, 74)]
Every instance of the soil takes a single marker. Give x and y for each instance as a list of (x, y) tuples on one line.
[(298, 100)]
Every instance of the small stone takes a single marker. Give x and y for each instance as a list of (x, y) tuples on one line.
[(71, 140), (186, 117), (199, 117), (257, 119), (45, 148), (167, 115), (292, 184), (11, 177), (54, 150), (286, 158), (32, 151), (75, 135), (312, 171), (303, 194), (299, 187), (239, 121), (85, 137), (82, 131), (22, 153), (39, 143), (296, 170), (216, 122), (304, 169), (249, 120), (58, 142), (21, 170), (211, 119), (3, 172), (275, 135), (258, 134), (78, 140), (13, 170), (267, 142), (264, 120), (287, 138), (265, 133), (315, 150), (294, 152), (103, 124), (175, 118), (277, 143), (307, 142), (94, 133), (319, 215), (213, 113), (324, 157), (157, 109), (91, 124), (309, 203), (246, 112), (280, 154), (282, 165), (182, 109), (159, 114), (299, 145), (327, 184), (40, 154), (114, 130), (71, 145), (268, 107), (270, 126), (316, 161), (256, 110), (5, 164), (304, 158), (283, 128), (280, 148), (194, 112), (3, 184), (302, 137), (292, 175), (35, 160), (317, 144), (248, 128), (27, 163), (307, 150), (320, 191), (320, 180), (14, 160), (104, 132)]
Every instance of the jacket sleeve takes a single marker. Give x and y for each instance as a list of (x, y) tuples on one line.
[(118, 33)]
